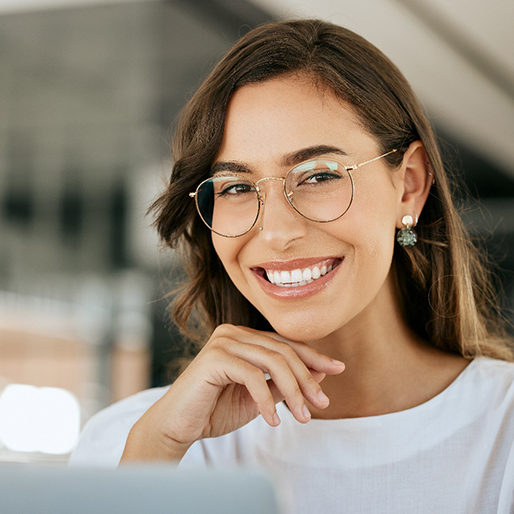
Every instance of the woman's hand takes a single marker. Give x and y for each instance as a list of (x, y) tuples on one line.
[(225, 387)]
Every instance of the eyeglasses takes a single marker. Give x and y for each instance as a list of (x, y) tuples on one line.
[(320, 190)]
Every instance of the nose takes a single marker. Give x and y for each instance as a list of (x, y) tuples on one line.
[(281, 224)]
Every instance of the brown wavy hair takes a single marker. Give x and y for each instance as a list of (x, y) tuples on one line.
[(443, 283)]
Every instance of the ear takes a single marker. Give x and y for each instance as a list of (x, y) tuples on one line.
[(416, 181)]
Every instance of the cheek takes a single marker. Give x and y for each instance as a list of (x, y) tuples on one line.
[(372, 251), (375, 208), (371, 227), (228, 250)]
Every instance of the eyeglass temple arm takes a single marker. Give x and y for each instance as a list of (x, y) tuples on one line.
[(192, 195), (355, 166)]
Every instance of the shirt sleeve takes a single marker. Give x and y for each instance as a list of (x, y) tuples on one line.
[(195, 457), (103, 438)]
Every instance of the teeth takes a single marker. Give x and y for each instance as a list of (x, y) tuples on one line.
[(285, 277), (297, 277)]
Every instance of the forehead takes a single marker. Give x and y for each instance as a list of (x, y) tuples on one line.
[(266, 121)]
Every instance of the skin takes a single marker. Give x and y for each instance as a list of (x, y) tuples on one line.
[(355, 318)]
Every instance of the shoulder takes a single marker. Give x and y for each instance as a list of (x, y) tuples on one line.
[(485, 371), (103, 438), (488, 363), (497, 391), (487, 384), (482, 397)]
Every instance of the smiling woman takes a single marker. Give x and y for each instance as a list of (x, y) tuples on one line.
[(323, 231)]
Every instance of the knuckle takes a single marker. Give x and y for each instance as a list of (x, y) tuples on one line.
[(279, 360), (267, 404), (294, 392), (307, 377), (264, 396), (255, 374), (298, 392), (215, 354), (222, 329), (288, 351), (282, 347)]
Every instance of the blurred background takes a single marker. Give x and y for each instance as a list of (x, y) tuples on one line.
[(89, 91)]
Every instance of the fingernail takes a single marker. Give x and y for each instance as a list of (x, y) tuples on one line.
[(323, 398), (306, 413), (275, 419), (338, 363)]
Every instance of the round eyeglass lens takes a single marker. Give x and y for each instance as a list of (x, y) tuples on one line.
[(320, 190), (228, 205)]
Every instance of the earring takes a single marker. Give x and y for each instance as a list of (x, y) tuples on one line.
[(406, 236)]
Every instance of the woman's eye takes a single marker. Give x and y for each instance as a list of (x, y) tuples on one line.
[(320, 176), (235, 189)]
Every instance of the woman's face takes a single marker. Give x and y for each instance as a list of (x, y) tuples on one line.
[(271, 127)]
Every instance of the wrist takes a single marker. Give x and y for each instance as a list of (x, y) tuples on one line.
[(147, 445)]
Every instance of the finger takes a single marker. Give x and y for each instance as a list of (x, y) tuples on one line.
[(317, 375), (311, 357), (252, 378), (309, 387), (278, 396), (244, 342), (290, 375)]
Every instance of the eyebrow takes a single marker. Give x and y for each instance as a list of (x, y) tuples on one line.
[(309, 153), (288, 160)]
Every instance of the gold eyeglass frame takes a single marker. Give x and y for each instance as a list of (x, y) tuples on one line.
[(260, 198)]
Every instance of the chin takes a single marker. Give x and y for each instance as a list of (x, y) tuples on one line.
[(302, 329)]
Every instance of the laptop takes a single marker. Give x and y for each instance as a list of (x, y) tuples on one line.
[(26, 489)]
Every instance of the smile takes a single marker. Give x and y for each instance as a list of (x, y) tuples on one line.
[(299, 277)]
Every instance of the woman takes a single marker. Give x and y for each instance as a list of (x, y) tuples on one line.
[(317, 225)]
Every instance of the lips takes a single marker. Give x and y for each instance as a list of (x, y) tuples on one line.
[(297, 277)]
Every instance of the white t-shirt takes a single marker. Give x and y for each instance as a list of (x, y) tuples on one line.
[(452, 454)]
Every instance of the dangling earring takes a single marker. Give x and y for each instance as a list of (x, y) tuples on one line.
[(406, 236)]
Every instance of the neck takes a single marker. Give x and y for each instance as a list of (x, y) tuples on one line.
[(388, 367)]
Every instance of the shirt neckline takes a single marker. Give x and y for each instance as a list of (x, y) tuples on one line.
[(426, 406)]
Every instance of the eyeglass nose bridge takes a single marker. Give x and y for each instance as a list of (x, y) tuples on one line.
[(264, 179)]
